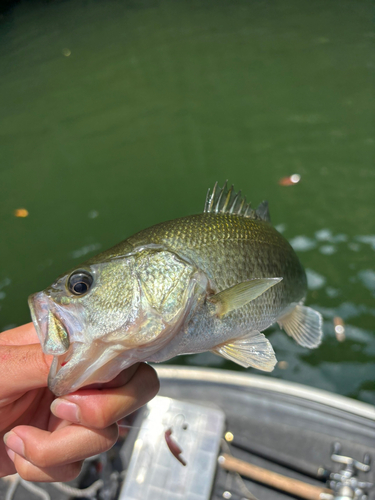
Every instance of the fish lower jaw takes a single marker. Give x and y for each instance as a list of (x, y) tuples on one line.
[(77, 369), (61, 385), (99, 362)]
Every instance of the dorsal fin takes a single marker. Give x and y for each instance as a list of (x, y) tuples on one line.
[(226, 200)]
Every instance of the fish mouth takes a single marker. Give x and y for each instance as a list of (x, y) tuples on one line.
[(80, 366), (76, 362), (52, 333), (94, 362), (38, 310)]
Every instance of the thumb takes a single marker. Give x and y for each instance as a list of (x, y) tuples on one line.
[(22, 368)]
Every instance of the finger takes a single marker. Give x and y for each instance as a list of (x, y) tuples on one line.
[(21, 335), (64, 446), (121, 379), (30, 472), (23, 368), (98, 409), (6, 465)]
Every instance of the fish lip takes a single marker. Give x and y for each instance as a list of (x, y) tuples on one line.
[(38, 304)]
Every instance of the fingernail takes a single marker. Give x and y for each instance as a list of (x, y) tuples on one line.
[(15, 443), (66, 410), (11, 454)]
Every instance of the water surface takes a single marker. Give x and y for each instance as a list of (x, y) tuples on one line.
[(117, 115)]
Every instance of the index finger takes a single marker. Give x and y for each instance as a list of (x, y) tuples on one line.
[(99, 409), (22, 335), (22, 368)]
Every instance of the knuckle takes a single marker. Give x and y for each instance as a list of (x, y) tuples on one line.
[(30, 472), (26, 470), (152, 383), (155, 384), (101, 440), (104, 439), (102, 418), (37, 456), (71, 471), (110, 437), (94, 413)]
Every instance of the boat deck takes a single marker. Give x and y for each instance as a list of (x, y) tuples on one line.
[(291, 422), (283, 427)]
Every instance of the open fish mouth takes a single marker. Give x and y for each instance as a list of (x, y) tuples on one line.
[(52, 333), (76, 362), (86, 363), (60, 334)]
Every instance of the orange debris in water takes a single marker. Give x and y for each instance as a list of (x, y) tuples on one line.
[(290, 180), (339, 328), (283, 365), (21, 212)]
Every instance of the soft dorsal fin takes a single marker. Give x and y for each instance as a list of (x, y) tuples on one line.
[(226, 200)]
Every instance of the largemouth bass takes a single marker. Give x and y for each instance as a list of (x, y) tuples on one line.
[(207, 282)]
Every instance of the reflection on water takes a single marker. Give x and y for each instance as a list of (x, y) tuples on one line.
[(327, 249), (367, 276), (302, 243), (314, 280), (326, 235), (369, 239), (81, 252), (5, 282), (122, 114)]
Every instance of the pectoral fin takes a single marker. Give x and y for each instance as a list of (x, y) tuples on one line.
[(238, 295), (304, 325), (251, 350)]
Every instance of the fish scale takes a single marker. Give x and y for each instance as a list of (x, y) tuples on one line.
[(241, 249), (212, 281)]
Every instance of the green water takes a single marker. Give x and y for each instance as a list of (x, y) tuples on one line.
[(158, 100)]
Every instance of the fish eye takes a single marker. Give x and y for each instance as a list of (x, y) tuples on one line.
[(80, 283)]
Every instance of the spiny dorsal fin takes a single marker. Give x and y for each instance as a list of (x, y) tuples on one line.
[(226, 200)]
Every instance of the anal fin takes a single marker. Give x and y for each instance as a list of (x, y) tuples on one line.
[(252, 349), (304, 325)]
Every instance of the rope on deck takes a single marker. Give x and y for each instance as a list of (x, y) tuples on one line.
[(89, 492)]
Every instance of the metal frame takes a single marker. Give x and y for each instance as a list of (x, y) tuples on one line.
[(226, 377)]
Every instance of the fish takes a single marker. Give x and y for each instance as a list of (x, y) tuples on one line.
[(207, 282)]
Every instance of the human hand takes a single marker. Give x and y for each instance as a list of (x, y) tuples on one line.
[(47, 438)]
